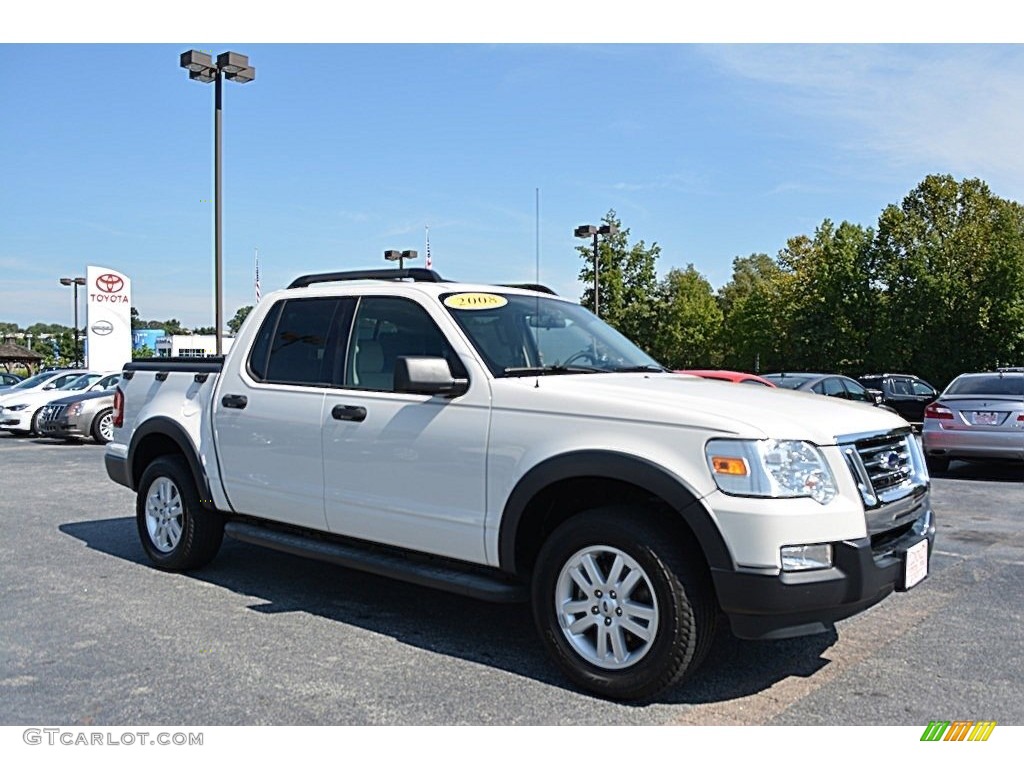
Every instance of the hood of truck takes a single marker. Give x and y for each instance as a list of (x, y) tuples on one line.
[(733, 410)]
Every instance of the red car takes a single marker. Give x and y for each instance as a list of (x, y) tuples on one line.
[(737, 376)]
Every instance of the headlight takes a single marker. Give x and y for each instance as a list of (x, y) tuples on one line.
[(75, 409), (770, 468), (20, 407)]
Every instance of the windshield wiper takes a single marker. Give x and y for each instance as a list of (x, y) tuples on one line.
[(639, 369), (548, 370)]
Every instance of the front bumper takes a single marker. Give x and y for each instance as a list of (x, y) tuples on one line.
[(62, 428), (793, 604), (16, 421)]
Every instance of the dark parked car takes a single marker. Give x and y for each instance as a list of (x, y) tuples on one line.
[(8, 379), (906, 393), (978, 416), (831, 384)]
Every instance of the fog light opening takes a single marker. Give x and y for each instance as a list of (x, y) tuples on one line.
[(806, 557)]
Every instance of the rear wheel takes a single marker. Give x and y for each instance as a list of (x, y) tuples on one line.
[(624, 607), (177, 532), (103, 427)]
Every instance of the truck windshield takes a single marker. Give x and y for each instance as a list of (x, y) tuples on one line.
[(519, 335)]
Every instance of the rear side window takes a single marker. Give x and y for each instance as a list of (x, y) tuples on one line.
[(297, 341)]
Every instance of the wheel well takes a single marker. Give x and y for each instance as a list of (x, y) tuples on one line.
[(151, 447), (563, 499)]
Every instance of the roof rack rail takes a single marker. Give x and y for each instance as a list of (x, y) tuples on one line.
[(530, 287), (418, 274)]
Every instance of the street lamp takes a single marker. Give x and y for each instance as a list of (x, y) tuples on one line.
[(400, 257), (75, 281), (234, 66), (587, 230)]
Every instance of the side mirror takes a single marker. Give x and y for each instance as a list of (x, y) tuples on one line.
[(427, 376), (876, 395)]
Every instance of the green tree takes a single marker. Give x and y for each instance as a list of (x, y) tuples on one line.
[(949, 261), (628, 282), (756, 312), (235, 323), (56, 349), (689, 321), (832, 303)]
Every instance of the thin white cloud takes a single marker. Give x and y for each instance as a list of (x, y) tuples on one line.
[(953, 109)]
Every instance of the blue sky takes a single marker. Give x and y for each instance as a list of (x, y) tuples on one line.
[(336, 152)]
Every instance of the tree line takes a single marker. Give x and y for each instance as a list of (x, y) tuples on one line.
[(935, 288)]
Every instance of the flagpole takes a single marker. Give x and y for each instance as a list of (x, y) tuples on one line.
[(257, 284)]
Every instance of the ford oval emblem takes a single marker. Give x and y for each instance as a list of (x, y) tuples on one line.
[(102, 327)]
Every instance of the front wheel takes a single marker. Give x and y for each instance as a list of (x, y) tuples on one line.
[(177, 532), (625, 607), (103, 427)]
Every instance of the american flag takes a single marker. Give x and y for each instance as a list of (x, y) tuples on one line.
[(429, 262), (257, 276)]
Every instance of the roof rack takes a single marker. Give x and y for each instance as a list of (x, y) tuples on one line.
[(530, 287), (417, 274)]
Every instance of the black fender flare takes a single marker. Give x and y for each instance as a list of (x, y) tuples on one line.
[(614, 466), (168, 428)]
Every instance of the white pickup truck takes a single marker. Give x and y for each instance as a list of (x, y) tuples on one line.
[(504, 443)]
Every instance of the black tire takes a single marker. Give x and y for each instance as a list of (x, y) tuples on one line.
[(99, 427), (673, 588), (177, 532), (34, 426), (937, 465)]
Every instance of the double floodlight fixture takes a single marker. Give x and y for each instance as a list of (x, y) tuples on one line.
[(589, 230), (72, 281), (201, 67), (400, 256)]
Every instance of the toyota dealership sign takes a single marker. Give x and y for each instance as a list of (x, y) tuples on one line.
[(108, 319)]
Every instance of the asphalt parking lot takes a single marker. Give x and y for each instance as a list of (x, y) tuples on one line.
[(92, 635)]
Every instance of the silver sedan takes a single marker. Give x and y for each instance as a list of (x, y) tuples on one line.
[(979, 416)]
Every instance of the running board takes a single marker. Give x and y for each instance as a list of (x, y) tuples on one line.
[(462, 581)]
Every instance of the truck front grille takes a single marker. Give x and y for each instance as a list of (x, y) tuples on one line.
[(890, 474)]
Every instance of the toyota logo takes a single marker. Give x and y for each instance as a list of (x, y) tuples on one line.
[(110, 283), (103, 327)]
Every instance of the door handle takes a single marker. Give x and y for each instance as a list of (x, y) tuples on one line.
[(348, 412), (234, 401)]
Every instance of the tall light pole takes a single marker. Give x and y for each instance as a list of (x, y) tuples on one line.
[(75, 281), (233, 66), (586, 230), (400, 257)]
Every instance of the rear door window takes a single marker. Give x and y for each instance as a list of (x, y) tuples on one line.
[(298, 340)]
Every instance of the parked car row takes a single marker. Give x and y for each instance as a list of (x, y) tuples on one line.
[(65, 403), (979, 416)]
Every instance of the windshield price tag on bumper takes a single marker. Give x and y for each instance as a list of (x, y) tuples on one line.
[(915, 564)]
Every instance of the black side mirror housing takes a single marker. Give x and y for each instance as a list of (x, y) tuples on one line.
[(427, 376)]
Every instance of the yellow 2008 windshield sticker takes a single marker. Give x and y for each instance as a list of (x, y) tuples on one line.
[(475, 301)]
